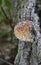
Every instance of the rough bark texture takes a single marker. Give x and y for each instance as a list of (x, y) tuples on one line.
[(24, 53), (24, 49)]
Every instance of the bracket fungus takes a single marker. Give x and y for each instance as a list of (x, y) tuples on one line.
[(23, 31)]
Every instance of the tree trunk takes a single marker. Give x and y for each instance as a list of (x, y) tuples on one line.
[(26, 50), (24, 53)]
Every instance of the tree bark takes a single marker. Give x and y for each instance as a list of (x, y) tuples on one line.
[(24, 53), (28, 12)]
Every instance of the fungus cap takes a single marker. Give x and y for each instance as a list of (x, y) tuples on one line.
[(23, 31)]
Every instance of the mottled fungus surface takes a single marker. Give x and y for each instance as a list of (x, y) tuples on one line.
[(23, 30)]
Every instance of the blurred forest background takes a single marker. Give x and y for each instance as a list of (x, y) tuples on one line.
[(8, 42), (11, 12)]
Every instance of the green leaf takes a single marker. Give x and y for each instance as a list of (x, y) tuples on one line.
[(1, 16), (0, 2), (3, 3), (4, 34), (7, 3)]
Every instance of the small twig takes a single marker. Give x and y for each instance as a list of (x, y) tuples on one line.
[(5, 61), (4, 13)]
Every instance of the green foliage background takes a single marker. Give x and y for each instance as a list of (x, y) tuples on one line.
[(6, 17)]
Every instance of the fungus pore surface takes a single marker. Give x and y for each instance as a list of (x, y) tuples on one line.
[(23, 31)]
